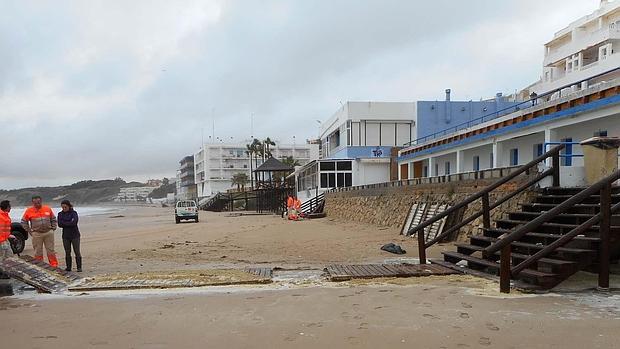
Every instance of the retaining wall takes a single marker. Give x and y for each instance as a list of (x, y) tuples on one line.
[(389, 205)]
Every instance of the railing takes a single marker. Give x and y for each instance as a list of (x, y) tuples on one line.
[(604, 217), (309, 206), (487, 207), (494, 115)]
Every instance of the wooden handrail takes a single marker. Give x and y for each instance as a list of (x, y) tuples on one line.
[(566, 238), (554, 152), (554, 171), (547, 216)]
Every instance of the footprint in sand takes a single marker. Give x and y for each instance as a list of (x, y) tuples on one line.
[(464, 315), (484, 341), (466, 305), (431, 316), (363, 326), (462, 345), (492, 327)]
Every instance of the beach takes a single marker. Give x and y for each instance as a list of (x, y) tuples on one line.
[(303, 311)]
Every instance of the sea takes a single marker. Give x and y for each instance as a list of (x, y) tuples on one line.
[(84, 211)]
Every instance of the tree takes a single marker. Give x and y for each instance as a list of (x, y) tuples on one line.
[(267, 144), (289, 160), (165, 181), (240, 180)]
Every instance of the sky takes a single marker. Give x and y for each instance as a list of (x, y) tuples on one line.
[(105, 89)]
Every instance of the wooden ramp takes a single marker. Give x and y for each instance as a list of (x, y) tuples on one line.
[(339, 272), (422, 211), (38, 274)]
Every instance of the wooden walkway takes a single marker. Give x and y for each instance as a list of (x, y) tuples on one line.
[(37, 274), (262, 272), (339, 272)]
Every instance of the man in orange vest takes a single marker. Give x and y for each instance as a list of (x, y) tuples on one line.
[(40, 222), (5, 230)]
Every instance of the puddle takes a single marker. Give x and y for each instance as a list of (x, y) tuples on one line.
[(299, 277)]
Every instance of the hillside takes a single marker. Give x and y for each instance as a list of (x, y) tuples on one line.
[(80, 193)]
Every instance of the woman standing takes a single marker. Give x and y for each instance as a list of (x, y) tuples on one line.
[(68, 221)]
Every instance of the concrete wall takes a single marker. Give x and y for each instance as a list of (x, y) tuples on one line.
[(389, 206)]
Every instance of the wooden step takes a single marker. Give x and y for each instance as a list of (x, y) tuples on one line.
[(541, 207), (542, 277), (487, 241), (550, 261)]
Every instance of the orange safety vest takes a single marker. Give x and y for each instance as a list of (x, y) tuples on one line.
[(42, 220), (5, 226), (290, 202), (297, 204)]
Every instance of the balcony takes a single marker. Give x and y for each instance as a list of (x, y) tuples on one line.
[(581, 43)]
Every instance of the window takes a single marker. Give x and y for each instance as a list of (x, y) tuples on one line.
[(328, 166), (425, 171), (332, 179), (600, 133), (324, 180), (538, 150), (447, 168), (514, 157), (476, 163), (348, 179), (436, 169), (490, 160), (340, 178), (567, 159), (343, 165)]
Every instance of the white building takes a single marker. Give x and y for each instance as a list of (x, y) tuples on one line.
[(583, 104), (215, 164), (357, 146), (587, 47), (134, 194)]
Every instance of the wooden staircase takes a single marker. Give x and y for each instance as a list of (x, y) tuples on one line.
[(581, 253)]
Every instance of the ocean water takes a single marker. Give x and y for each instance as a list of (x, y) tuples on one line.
[(85, 211)]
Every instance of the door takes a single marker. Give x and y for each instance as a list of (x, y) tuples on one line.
[(404, 171), (417, 169)]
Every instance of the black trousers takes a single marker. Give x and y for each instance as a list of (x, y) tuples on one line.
[(75, 242)]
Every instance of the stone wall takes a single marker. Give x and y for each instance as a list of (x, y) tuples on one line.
[(389, 206)]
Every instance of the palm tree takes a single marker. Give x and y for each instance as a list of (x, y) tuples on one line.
[(289, 160), (240, 180), (267, 143), (250, 153)]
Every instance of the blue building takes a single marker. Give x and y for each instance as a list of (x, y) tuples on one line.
[(437, 116)]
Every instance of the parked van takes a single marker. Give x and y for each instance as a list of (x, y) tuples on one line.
[(185, 210)]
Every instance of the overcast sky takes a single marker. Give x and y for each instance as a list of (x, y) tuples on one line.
[(100, 89)]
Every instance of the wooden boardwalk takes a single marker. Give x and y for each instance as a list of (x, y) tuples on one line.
[(339, 272), (37, 274)]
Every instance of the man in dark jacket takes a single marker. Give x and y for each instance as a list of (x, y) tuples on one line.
[(68, 221)]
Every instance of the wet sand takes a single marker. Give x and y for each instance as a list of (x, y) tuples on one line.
[(431, 312)]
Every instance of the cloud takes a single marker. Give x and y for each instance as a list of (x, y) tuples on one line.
[(101, 89)]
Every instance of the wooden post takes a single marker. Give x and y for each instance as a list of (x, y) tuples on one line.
[(555, 163), (605, 227), (486, 211), (504, 270), (421, 247)]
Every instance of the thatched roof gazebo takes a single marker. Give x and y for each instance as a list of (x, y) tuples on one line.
[(271, 186)]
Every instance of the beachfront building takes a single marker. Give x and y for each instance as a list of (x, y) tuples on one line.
[(186, 185), (357, 145), (583, 53), (571, 104), (134, 194), (215, 164)]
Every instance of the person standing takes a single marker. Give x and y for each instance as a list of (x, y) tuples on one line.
[(68, 221), (40, 222), (5, 230)]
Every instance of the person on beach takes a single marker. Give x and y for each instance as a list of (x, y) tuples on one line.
[(68, 221), (40, 222), (5, 230)]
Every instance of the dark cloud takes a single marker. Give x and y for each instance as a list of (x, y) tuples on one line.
[(112, 88)]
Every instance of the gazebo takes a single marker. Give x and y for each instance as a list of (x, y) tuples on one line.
[(271, 186)]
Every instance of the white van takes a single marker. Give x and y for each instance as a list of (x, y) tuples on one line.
[(186, 209)]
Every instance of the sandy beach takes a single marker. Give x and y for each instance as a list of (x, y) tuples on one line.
[(304, 312)]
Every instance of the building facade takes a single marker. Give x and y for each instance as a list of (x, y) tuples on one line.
[(134, 194), (588, 47), (357, 146), (216, 164), (186, 186)]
